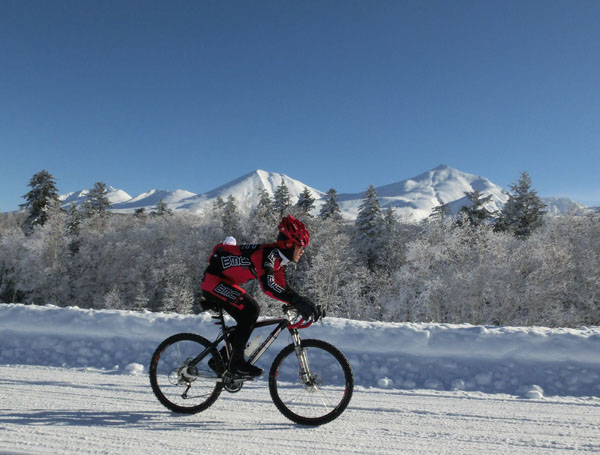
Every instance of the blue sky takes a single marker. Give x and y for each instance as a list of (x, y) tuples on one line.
[(342, 94)]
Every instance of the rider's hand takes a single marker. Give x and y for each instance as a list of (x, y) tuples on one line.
[(306, 309)]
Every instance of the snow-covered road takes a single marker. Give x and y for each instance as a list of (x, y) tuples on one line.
[(48, 410)]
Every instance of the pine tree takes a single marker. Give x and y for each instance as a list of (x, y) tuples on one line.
[(161, 209), (231, 218), (390, 217), (74, 229), (306, 202), (262, 220), (219, 204), (98, 203), (438, 213), (265, 203), (331, 209), (43, 193), (524, 210), (476, 214), (370, 226), (281, 199), (140, 213)]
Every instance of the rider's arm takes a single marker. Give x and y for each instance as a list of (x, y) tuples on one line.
[(272, 279)]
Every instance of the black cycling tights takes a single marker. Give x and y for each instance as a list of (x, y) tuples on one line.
[(245, 311)]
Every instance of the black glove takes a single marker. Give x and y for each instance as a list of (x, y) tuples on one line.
[(306, 308)]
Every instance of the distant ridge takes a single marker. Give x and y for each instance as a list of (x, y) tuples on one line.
[(413, 199)]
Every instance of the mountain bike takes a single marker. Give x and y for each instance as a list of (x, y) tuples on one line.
[(310, 381)]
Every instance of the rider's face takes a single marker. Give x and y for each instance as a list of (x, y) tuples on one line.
[(298, 252)]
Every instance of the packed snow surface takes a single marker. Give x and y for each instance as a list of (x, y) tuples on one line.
[(514, 360), (75, 381)]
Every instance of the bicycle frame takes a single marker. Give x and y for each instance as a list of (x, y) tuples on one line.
[(281, 323)]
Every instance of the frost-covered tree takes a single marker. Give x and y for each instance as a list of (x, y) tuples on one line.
[(281, 199), (306, 203), (476, 213), (113, 300), (370, 226), (390, 217), (262, 220), (330, 208), (46, 260), (161, 209), (524, 210), (97, 200), (178, 293), (38, 200), (440, 212), (231, 218)]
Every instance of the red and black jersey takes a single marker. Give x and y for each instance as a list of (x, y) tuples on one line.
[(237, 264)]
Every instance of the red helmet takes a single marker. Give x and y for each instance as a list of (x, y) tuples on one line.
[(294, 230)]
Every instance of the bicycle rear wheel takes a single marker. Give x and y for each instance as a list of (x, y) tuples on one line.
[(319, 397), (179, 386)]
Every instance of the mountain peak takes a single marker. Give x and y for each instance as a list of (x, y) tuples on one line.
[(413, 199)]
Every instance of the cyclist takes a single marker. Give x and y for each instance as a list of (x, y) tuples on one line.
[(230, 265)]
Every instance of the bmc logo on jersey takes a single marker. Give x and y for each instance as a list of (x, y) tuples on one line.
[(227, 292), (234, 261)]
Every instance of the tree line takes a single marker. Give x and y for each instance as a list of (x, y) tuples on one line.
[(516, 267)]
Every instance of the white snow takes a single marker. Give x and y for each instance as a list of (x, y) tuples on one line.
[(507, 360), (75, 381)]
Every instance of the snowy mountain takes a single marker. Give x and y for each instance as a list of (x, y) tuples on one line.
[(413, 199), (564, 206), (115, 196), (246, 191), (151, 198)]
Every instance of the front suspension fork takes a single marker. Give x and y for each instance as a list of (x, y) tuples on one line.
[(304, 368)]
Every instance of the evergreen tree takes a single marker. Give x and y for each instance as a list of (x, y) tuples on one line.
[(331, 209), (262, 220), (219, 204), (390, 217), (74, 228), (440, 212), (161, 209), (476, 214), (97, 199), (370, 226), (265, 203), (231, 218), (524, 210), (281, 199), (306, 202), (140, 213), (43, 193)]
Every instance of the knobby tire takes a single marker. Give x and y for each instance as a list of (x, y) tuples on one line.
[(169, 357), (325, 398)]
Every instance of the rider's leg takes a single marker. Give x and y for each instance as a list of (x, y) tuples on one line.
[(245, 311)]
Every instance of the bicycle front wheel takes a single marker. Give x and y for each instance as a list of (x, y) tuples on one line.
[(179, 386), (315, 396)]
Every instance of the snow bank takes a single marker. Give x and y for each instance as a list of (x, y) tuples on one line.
[(529, 362)]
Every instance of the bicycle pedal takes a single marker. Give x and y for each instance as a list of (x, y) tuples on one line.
[(241, 377)]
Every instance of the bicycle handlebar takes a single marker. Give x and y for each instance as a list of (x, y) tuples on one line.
[(302, 323)]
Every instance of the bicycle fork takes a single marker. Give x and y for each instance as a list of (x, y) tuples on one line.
[(304, 368)]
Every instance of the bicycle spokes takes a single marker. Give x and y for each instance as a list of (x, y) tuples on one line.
[(311, 385), (180, 384)]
